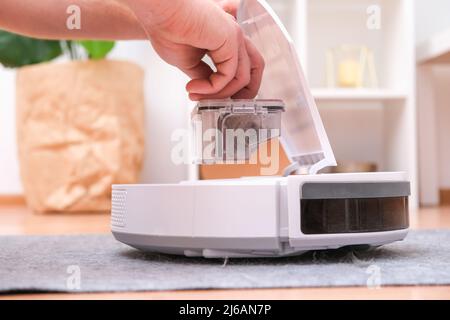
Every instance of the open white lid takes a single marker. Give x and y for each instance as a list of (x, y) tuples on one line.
[(303, 135)]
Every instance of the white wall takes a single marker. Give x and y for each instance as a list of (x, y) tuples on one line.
[(166, 110), (431, 16)]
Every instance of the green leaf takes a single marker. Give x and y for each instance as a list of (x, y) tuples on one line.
[(17, 51), (97, 49)]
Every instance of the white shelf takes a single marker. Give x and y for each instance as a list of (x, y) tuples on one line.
[(367, 95), (436, 49)]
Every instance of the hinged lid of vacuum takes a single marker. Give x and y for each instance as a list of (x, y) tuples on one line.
[(303, 136)]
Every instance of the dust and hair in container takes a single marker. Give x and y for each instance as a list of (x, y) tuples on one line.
[(230, 131)]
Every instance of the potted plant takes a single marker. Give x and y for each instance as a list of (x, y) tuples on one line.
[(79, 123)]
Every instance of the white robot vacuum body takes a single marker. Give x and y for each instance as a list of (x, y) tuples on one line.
[(262, 217)]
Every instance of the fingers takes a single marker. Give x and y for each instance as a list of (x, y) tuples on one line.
[(240, 80), (239, 68), (188, 59), (256, 73), (248, 78), (200, 71), (226, 61)]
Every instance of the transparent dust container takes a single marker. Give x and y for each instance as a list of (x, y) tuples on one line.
[(230, 131)]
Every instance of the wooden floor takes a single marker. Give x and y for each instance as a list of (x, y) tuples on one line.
[(15, 219)]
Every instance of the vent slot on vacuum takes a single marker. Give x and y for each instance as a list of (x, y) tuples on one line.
[(118, 208)]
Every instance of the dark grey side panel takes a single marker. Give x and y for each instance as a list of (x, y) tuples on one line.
[(354, 190)]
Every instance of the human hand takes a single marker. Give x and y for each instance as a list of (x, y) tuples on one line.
[(183, 32)]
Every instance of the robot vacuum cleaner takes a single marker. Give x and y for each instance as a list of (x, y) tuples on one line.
[(264, 216)]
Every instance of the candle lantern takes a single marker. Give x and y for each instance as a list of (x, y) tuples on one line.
[(351, 66)]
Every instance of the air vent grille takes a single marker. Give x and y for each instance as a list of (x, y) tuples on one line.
[(118, 208)]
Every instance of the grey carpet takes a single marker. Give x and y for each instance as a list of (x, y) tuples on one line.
[(51, 264)]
